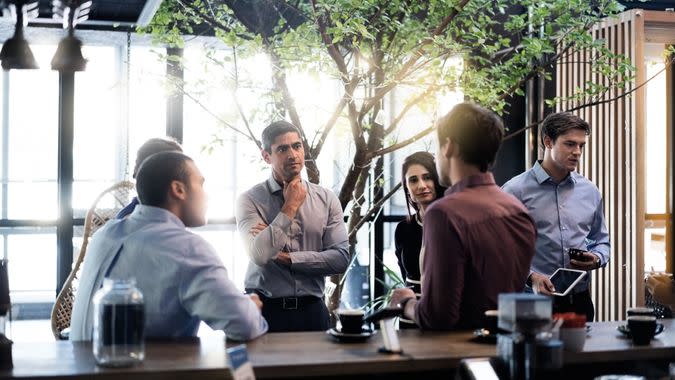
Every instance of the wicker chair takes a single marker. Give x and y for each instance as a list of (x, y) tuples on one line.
[(104, 208)]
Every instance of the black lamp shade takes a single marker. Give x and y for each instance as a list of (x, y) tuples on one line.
[(16, 54), (68, 55)]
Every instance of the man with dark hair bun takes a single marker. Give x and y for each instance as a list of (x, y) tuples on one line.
[(182, 279), (150, 147)]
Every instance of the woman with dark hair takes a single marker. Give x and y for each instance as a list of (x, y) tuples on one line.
[(421, 187)]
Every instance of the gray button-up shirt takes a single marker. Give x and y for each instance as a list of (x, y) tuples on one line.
[(316, 240)]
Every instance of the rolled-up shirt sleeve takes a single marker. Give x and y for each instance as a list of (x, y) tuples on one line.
[(207, 293), (267, 244), (335, 258), (443, 279)]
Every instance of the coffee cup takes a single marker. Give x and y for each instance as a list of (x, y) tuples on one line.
[(490, 321), (648, 311), (572, 331), (351, 320), (573, 338), (642, 328)]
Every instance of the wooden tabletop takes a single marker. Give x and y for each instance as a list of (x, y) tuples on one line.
[(307, 354), (605, 343)]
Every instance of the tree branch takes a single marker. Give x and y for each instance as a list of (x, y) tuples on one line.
[(332, 49), (534, 72), (289, 103), (407, 108), (382, 91), (225, 123), (235, 61), (403, 143), (297, 9), (591, 104), (316, 149), (373, 210), (211, 20)]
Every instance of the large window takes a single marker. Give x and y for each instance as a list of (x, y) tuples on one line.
[(657, 157), (109, 126), (120, 103)]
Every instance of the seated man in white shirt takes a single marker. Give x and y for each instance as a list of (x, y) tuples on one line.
[(178, 272)]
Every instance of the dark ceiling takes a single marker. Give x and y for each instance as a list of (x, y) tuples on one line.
[(649, 4), (106, 13), (124, 13)]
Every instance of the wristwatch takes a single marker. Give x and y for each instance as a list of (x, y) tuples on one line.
[(597, 262)]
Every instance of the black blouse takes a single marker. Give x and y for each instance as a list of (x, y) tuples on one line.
[(408, 242)]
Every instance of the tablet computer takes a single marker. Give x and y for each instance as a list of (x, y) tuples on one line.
[(564, 280)]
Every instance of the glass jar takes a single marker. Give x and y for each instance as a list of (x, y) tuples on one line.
[(119, 321)]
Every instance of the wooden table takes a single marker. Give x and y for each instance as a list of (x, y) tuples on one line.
[(313, 354)]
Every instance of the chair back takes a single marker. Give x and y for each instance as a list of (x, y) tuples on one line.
[(105, 207)]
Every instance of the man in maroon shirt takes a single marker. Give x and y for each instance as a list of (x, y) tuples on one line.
[(478, 240)]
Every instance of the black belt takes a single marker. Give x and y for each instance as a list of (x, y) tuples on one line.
[(289, 303)]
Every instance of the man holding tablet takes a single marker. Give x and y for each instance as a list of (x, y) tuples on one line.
[(567, 209)]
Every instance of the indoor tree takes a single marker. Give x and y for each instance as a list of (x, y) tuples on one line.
[(487, 49)]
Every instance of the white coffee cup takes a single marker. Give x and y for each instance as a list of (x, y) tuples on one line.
[(573, 338)]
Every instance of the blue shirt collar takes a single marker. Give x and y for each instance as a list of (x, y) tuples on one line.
[(542, 176), (156, 214)]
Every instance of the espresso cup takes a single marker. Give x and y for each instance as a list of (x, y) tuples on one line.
[(642, 328), (351, 320), (647, 311), (490, 321)]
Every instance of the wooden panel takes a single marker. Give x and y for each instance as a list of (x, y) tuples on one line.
[(640, 77), (613, 162), (669, 168), (657, 17)]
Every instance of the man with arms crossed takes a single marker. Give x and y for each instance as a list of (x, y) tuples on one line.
[(567, 209), (178, 272), (294, 234), (478, 240)]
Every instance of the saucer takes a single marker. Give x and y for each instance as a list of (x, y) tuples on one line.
[(625, 330), (484, 336), (350, 338)]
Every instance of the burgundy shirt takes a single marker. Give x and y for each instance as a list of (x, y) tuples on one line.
[(479, 242)]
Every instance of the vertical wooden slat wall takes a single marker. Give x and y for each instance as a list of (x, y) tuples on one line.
[(612, 161)]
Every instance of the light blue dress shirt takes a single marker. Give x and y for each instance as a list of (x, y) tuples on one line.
[(568, 214), (316, 240), (178, 272)]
